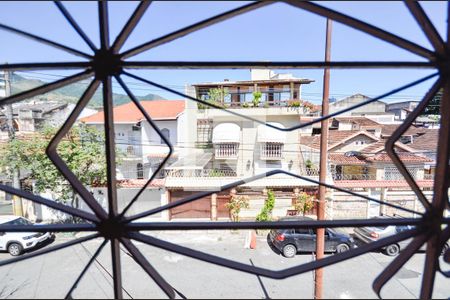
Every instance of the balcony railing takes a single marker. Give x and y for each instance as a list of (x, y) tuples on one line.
[(226, 151), (271, 151), (200, 173), (354, 177)]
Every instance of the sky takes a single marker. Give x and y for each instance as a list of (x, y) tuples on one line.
[(277, 32)]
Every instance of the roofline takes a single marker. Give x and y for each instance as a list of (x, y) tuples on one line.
[(249, 82), (352, 136)]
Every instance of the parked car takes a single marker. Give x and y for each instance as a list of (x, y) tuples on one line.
[(374, 233), (291, 241), (17, 242)]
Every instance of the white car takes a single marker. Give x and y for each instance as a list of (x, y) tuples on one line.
[(16, 242)]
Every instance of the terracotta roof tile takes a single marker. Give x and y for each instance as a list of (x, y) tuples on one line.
[(404, 157), (388, 129), (337, 158), (427, 141), (139, 183), (129, 113), (362, 121), (334, 137)]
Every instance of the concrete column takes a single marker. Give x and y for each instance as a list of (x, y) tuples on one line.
[(165, 214), (214, 207)]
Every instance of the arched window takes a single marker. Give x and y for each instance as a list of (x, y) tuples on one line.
[(166, 133), (140, 171)]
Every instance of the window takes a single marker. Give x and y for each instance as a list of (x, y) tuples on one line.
[(140, 171), (302, 231), (166, 133), (271, 150), (392, 173)]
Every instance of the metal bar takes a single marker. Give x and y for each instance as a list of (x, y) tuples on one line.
[(52, 153), (168, 226), (427, 26), (104, 24), (46, 88), (365, 27), (397, 263), (441, 183), (323, 166), (49, 228), (47, 250), (130, 26), (44, 41), (329, 260), (110, 147), (253, 178), (91, 260), (194, 27), (50, 203), (45, 66), (390, 143), (155, 127), (116, 268), (75, 25), (440, 193), (277, 64), (148, 268), (289, 128)]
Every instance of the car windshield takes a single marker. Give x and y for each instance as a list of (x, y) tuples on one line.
[(19, 221)]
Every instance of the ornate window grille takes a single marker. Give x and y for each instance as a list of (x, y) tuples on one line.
[(108, 61)]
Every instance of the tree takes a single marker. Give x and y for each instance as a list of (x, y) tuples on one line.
[(82, 149), (433, 108), (304, 203), (215, 97), (237, 202), (266, 212)]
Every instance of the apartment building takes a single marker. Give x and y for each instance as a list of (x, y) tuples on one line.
[(229, 148)]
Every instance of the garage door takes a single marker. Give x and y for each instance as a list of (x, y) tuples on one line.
[(200, 208)]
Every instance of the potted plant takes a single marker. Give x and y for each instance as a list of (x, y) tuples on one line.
[(304, 203), (265, 215), (237, 202), (256, 98)]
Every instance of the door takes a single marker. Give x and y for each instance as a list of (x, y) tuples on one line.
[(330, 243), (305, 240), (3, 240)]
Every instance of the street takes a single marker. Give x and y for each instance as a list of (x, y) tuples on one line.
[(51, 275)]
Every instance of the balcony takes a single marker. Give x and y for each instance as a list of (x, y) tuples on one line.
[(271, 151), (200, 173), (354, 176), (226, 151)]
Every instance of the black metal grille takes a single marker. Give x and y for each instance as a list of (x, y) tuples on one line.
[(108, 62)]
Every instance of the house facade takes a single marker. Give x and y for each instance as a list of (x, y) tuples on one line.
[(228, 148), (141, 148)]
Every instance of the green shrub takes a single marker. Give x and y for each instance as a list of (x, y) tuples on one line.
[(266, 212)]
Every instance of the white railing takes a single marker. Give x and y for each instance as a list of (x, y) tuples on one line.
[(226, 150), (310, 172), (200, 173), (354, 176), (271, 151)]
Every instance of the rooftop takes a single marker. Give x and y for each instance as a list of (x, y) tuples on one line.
[(129, 113)]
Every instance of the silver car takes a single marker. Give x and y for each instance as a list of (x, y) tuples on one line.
[(372, 234)]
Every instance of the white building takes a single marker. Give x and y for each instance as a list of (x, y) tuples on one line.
[(141, 147)]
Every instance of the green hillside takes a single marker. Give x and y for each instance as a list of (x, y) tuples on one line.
[(70, 93)]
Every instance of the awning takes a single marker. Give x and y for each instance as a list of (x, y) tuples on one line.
[(268, 134), (191, 162), (226, 133)]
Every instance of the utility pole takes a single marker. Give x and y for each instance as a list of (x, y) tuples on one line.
[(17, 201), (320, 237)]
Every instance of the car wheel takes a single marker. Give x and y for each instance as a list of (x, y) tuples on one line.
[(444, 249), (15, 249), (392, 250), (342, 248), (289, 251)]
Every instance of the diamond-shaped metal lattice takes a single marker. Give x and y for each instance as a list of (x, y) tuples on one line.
[(108, 62)]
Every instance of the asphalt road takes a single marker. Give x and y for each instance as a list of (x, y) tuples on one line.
[(51, 275)]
